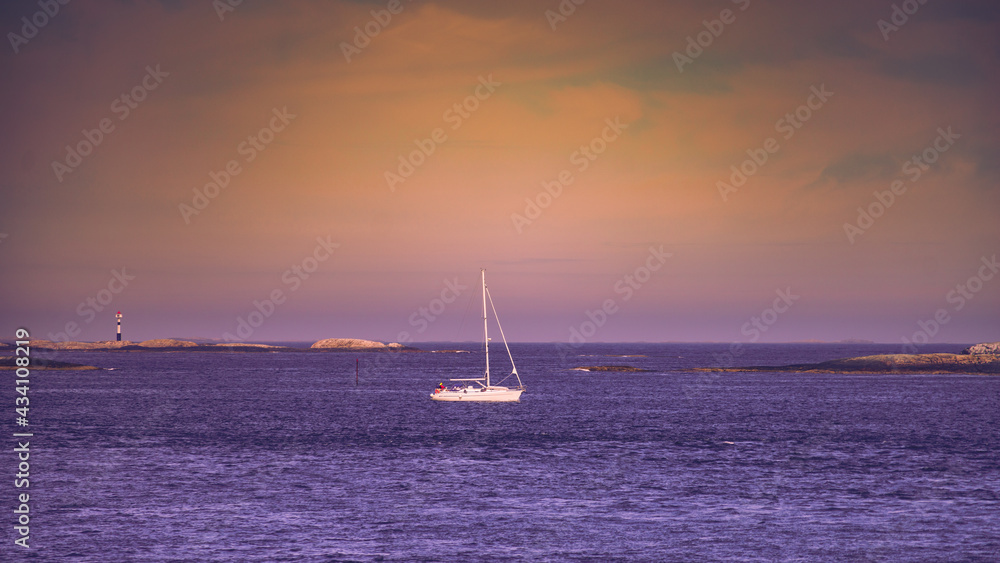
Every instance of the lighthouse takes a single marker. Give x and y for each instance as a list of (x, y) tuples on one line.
[(119, 317)]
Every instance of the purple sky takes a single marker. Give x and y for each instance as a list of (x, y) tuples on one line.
[(692, 170)]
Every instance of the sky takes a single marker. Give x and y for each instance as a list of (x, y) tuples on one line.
[(727, 171)]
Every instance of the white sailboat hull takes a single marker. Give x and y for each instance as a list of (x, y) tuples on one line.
[(480, 394), (483, 391)]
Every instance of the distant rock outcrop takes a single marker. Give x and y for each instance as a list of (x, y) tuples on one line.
[(356, 344), (177, 345), (889, 363), (10, 362), (249, 345), (985, 348), (166, 343), (72, 345), (609, 368)]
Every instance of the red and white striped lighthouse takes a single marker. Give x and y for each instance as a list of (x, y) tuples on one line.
[(119, 317)]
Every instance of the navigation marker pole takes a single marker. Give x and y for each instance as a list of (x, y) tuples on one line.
[(357, 369), (119, 317)]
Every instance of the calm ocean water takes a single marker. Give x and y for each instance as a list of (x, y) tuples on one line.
[(280, 457)]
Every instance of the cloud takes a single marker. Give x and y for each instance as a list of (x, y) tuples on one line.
[(857, 167), (952, 70), (324, 175)]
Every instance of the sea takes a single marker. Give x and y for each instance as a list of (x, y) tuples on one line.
[(343, 456)]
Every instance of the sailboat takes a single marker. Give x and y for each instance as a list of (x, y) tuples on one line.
[(479, 388)]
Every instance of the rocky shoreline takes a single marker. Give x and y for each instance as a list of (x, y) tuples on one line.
[(356, 344), (9, 362), (610, 368), (978, 359), (175, 345)]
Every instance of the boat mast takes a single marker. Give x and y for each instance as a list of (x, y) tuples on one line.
[(504, 338), (486, 334)]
